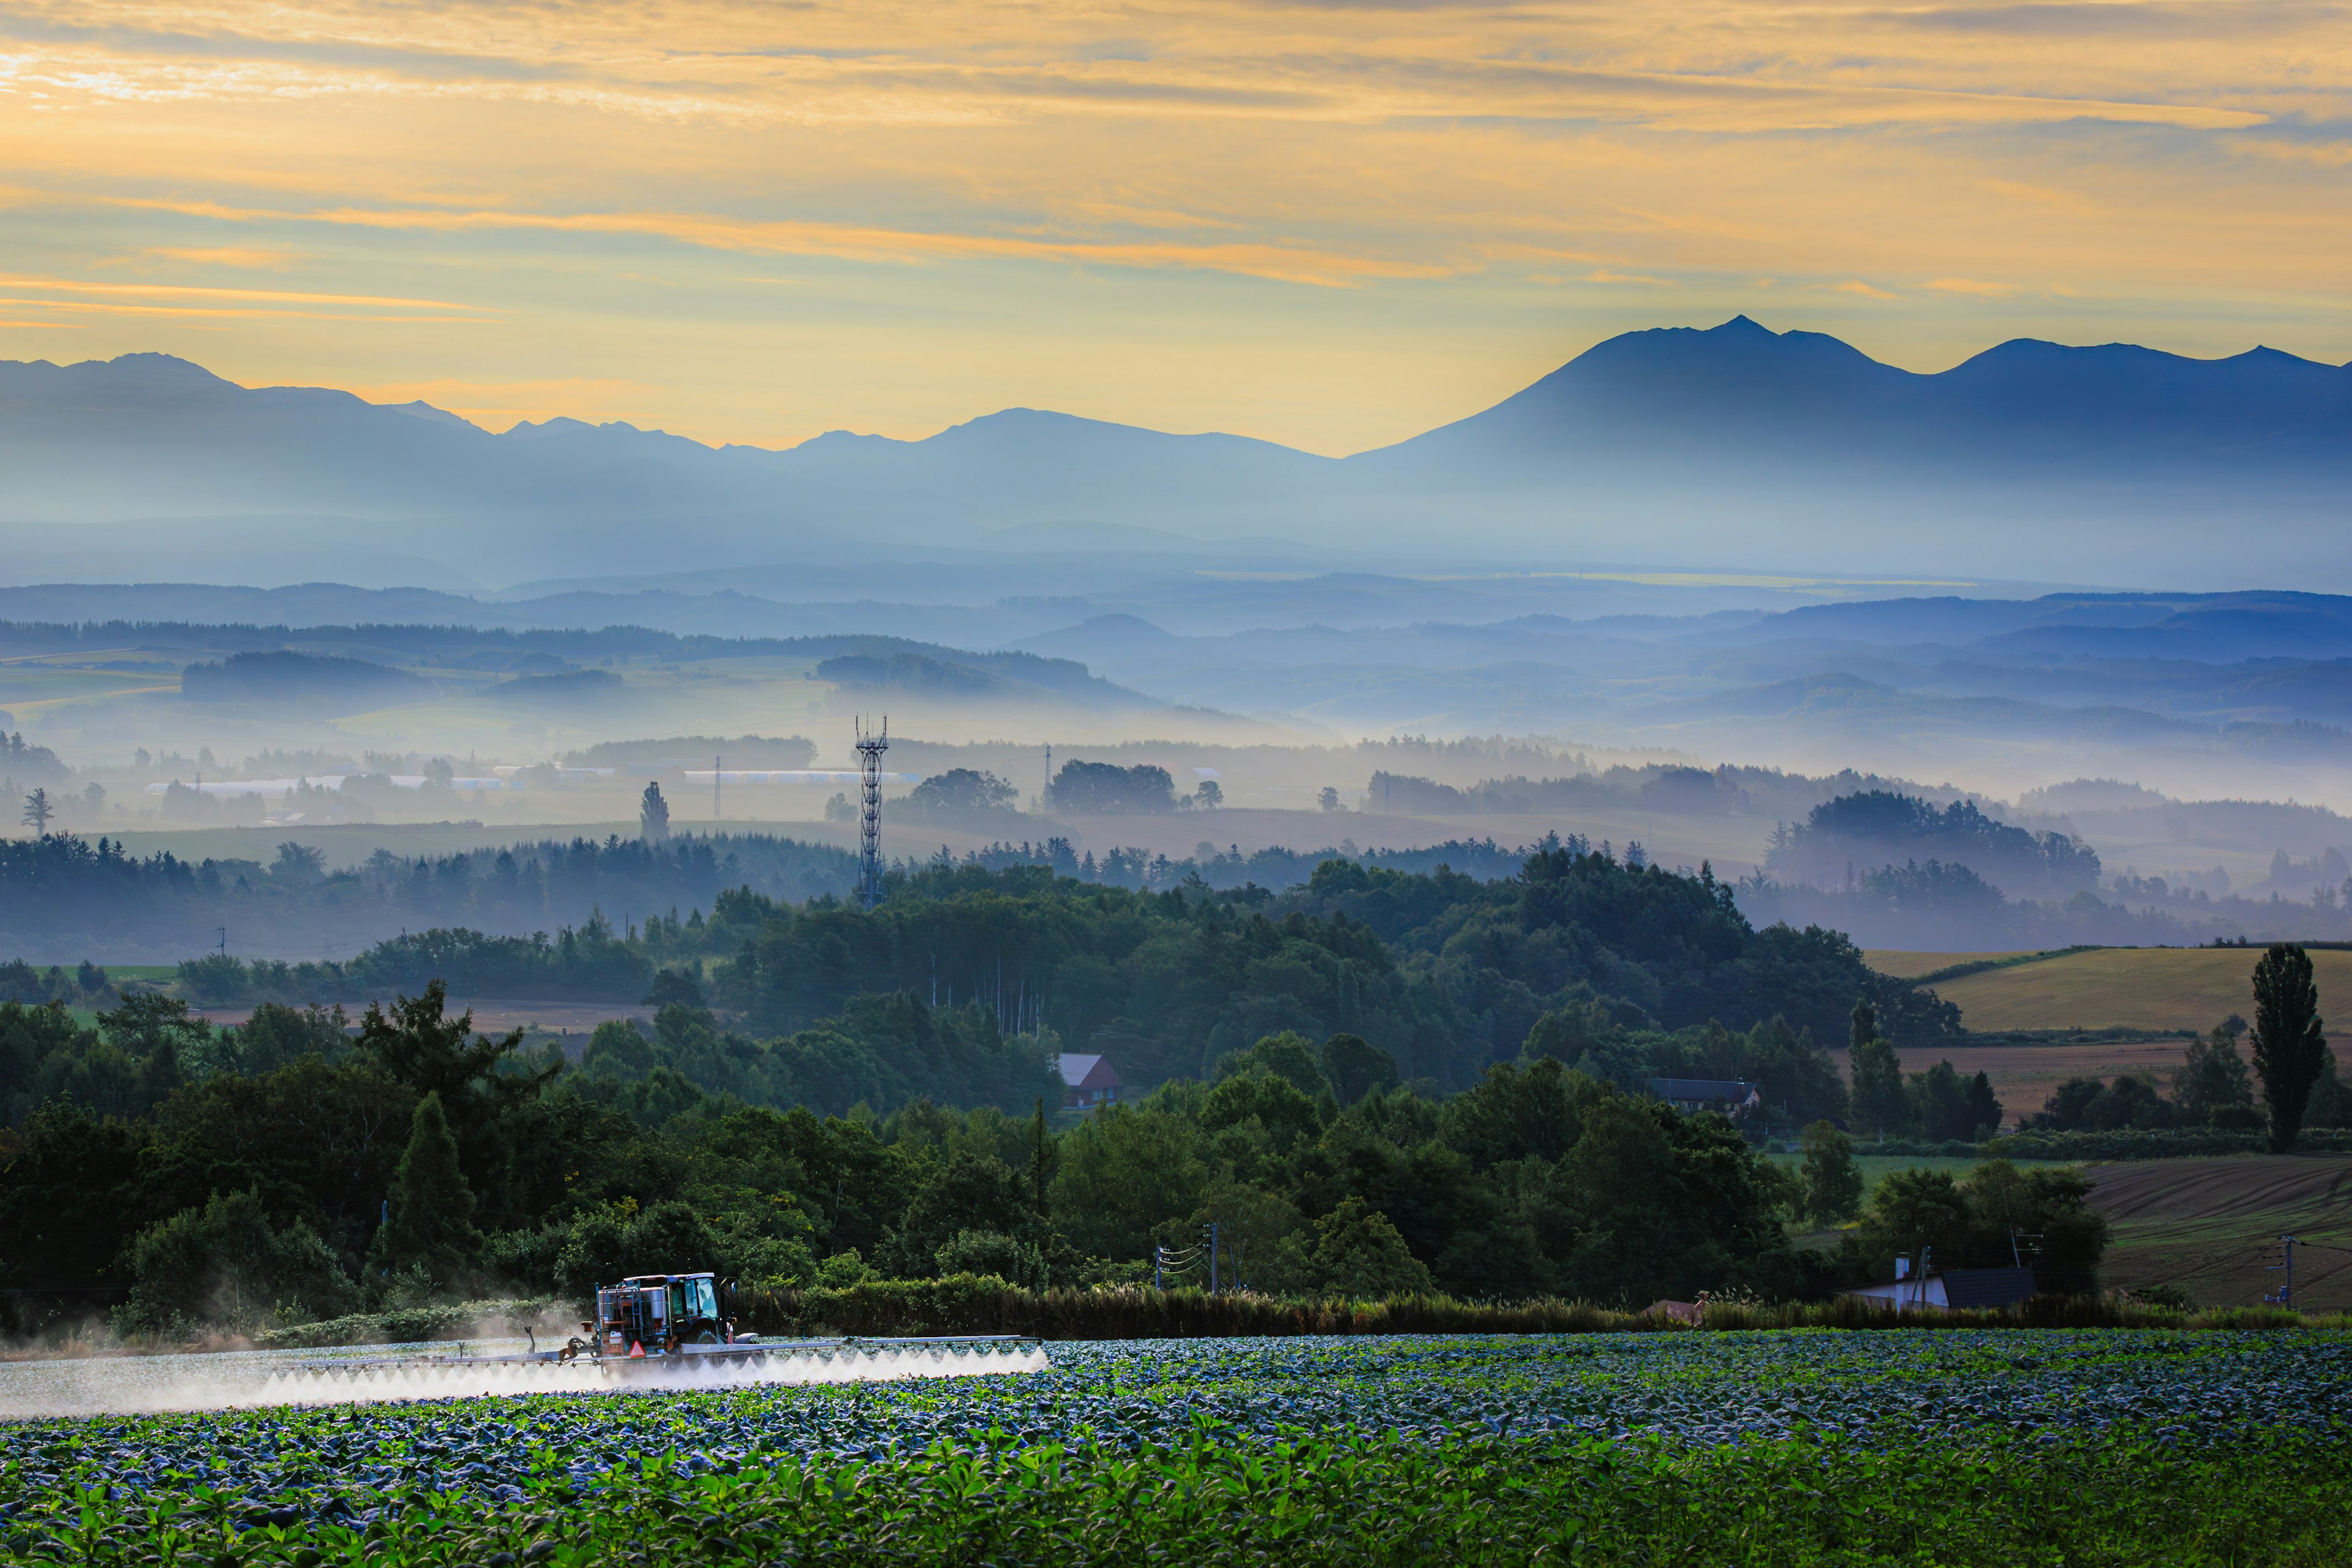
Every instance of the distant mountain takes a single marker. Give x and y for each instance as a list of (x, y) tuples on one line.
[(1739, 398), (1730, 446)]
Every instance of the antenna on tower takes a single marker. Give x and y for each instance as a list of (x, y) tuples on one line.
[(870, 747)]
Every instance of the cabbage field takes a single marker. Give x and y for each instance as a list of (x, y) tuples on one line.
[(1943, 1446)]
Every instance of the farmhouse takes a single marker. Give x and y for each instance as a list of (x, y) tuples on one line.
[(1088, 1081), (1692, 1095), (1955, 1287)]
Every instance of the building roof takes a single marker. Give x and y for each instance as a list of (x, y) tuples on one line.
[(1700, 1088), (1987, 1286), (1088, 1071)]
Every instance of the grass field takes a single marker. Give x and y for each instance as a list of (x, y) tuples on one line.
[(2134, 988), (2211, 1225)]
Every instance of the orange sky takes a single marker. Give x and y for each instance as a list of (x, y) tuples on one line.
[(1332, 225)]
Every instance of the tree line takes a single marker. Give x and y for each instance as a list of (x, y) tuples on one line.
[(297, 1171), (2293, 1066), (1487, 1130)]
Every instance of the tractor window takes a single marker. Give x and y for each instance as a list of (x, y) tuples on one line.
[(705, 1300), (678, 1311)]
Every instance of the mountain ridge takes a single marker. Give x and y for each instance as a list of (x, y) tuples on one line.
[(1708, 443)]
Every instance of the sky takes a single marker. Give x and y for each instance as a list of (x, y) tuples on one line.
[(1327, 224)]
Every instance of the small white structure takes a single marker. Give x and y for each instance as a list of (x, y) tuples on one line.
[(1958, 1288)]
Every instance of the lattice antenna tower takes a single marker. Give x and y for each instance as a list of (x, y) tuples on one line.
[(871, 745)]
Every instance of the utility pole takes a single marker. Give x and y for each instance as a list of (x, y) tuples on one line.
[(1158, 1259), (224, 942), (2285, 1295), (1045, 795), (1211, 1229)]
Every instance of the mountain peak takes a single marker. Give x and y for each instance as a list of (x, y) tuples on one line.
[(151, 366)]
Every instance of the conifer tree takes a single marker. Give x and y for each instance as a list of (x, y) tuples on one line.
[(431, 1220)]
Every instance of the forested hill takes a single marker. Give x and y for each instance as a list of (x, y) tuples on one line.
[(1445, 973)]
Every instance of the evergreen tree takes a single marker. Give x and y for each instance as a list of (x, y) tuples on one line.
[(432, 1221), (1985, 1106), (2290, 1049), (653, 816), (1880, 1104)]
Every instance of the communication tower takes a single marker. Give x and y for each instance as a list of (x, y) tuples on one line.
[(870, 747)]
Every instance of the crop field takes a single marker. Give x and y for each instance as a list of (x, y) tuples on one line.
[(2211, 1225), (2134, 988), (1932, 1446)]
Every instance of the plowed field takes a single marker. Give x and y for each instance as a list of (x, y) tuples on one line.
[(2211, 1226)]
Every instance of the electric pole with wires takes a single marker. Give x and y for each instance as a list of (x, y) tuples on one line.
[(2285, 1295)]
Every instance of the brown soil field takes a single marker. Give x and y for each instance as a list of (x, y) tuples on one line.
[(2023, 1076), (2211, 1225)]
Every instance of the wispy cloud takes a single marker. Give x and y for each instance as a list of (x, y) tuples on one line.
[(1329, 221)]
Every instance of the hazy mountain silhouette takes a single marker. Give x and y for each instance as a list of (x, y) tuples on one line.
[(1734, 444)]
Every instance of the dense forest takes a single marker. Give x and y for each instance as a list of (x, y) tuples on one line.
[(271, 1179), (1883, 827), (63, 897), (1447, 972), (1475, 1115)]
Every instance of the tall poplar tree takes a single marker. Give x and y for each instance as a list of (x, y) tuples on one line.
[(2290, 1049), (1879, 1103)]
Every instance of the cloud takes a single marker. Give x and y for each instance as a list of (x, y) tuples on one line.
[(1278, 263), (249, 257), (1119, 212), (73, 286)]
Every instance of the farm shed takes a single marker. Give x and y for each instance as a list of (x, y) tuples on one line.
[(1960, 1288), (1692, 1095), (1088, 1081)]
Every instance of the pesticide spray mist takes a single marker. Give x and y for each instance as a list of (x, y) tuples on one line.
[(254, 1379)]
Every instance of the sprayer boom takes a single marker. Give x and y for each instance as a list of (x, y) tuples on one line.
[(850, 1359)]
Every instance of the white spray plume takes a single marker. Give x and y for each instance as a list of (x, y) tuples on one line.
[(250, 1380)]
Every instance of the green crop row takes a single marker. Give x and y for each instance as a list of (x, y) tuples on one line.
[(2275, 1496)]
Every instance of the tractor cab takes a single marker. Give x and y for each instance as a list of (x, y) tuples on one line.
[(661, 1314)]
